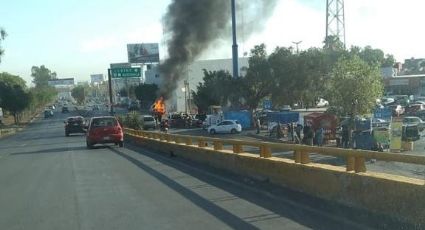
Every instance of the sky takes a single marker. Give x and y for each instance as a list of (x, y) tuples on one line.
[(76, 38)]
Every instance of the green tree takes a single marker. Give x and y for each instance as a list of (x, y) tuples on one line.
[(259, 80), (333, 43), (214, 90), (3, 35), (146, 94), (355, 86), (14, 96), (41, 75), (373, 56), (79, 94)]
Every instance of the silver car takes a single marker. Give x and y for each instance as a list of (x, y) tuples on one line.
[(148, 122)]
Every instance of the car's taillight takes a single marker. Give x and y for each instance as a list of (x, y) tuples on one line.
[(117, 129)]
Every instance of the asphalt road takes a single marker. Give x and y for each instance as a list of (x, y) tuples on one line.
[(49, 181)]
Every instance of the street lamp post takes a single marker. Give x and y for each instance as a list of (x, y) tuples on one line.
[(185, 97), (235, 44), (296, 44)]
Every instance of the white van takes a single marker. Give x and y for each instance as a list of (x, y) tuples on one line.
[(1, 115)]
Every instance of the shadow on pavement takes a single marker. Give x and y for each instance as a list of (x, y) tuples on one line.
[(307, 210), (53, 150), (230, 219), (291, 210)]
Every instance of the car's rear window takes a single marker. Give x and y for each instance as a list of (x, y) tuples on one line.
[(75, 120), (103, 122), (237, 122), (148, 119)]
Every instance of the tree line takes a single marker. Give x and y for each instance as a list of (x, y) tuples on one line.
[(16, 97), (348, 78)]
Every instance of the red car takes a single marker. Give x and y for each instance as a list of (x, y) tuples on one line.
[(103, 130)]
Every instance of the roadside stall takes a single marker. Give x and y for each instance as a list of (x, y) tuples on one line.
[(326, 121), (281, 118), (362, 135)]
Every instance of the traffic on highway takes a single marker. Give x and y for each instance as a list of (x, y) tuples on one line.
[(214, 114)]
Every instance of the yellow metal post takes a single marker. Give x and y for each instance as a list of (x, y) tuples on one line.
[(305, 157), (218, 145), (201, 143), (297, 156), (350, 164), (237, 148), (265, 151), (360, 164)]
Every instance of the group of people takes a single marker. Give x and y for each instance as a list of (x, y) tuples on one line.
[(298, 133)]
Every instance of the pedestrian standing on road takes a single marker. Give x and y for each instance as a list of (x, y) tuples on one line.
[(258, 124), (345, 136), (298, 130), (319, 136), (279, 133), (291, 132)]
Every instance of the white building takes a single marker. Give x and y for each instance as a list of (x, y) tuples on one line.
[(193, 76)]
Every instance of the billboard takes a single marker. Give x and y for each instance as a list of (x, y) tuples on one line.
[(96, 78), (61, 82), (143, 53)]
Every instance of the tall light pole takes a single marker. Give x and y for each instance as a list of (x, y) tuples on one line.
[(335, 19), (296, 44), (235, 44)]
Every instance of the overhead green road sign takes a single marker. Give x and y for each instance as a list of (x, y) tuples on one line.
[(126, 72)]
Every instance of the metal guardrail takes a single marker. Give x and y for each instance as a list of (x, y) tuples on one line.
[(355, 159)]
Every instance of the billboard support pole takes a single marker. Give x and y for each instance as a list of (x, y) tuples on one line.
[(110, 93)]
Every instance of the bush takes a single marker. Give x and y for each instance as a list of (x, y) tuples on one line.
[(131, 120)]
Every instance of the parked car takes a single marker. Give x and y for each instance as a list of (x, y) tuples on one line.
[(413, 108), (96, 108), (420, 114), (103, 130), (48, 113), (377, 122), (414, 121), (286, 108), (226, 126), (74, 125), (134, 106), (65, 109), (387, 100), (322, 103), (148, 122)]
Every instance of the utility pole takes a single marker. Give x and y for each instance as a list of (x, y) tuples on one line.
[(297, 43), (335, 19), (235, 44), (110, 93)]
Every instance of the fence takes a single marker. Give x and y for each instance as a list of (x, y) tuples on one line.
[(355, 159)]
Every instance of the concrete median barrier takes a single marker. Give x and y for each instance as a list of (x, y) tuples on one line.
[(396, 197)]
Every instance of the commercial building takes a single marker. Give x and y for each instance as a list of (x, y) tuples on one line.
[(405, 85), (182, 96)]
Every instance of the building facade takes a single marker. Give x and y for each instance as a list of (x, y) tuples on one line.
[(182, 97), (405, 85)]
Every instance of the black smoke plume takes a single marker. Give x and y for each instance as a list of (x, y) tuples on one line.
[(191, 26)]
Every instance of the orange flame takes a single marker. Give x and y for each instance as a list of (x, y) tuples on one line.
[(159, 106)]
